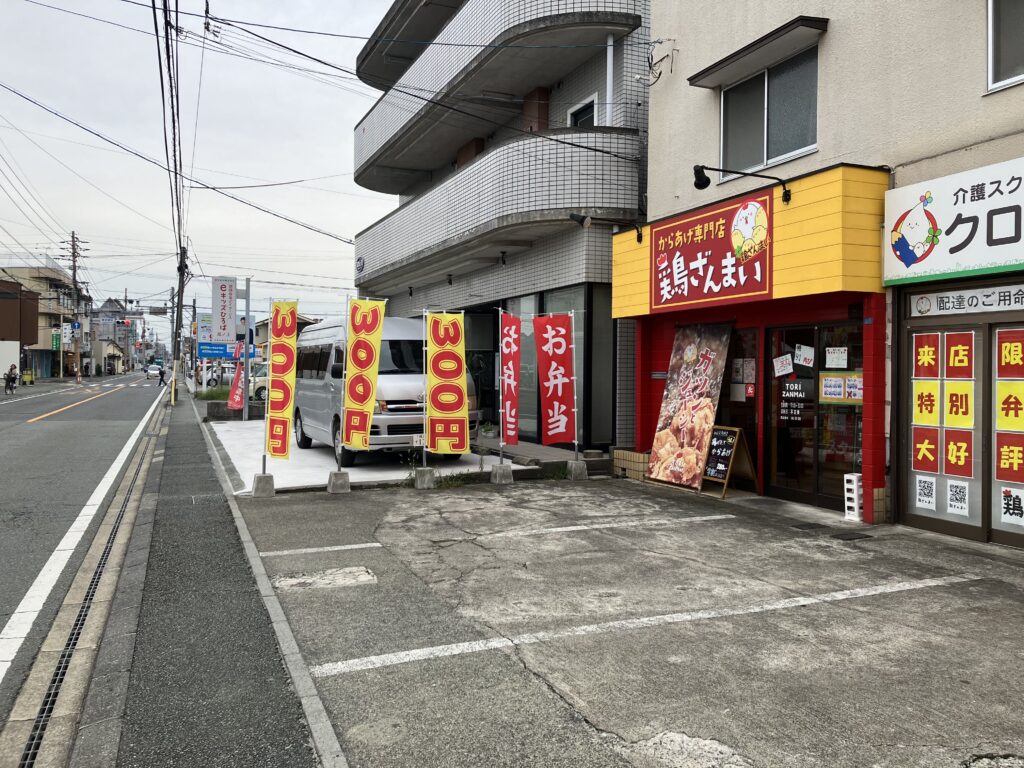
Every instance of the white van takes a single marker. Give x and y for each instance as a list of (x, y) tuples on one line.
[(398, 414)]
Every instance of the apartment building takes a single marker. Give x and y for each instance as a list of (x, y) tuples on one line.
[(880, 336), (520, 122)]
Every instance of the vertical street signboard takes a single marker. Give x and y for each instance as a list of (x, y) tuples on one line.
[(964, 224), (556, 377), (225, 310), (1008, 405), (511, 337), (688, 406), (447, 401), (362, 362), (281, 387), (720, 254)]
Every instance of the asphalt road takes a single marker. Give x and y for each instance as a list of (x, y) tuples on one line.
[(56, 444)]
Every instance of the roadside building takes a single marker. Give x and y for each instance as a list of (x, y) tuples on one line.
[(517, 116), (19, 323), (840, 108)]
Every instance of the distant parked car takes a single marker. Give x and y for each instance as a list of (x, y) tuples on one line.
[(152, 371), (221, 374), (258, 382)]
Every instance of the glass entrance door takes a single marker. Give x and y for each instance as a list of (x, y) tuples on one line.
[(814, 411)]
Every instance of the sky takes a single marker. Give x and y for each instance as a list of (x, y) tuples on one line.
[(257, 123)]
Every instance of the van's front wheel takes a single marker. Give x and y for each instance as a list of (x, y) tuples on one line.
[(342, 455)]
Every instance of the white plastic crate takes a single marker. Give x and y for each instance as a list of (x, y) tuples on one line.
[(854, 487)]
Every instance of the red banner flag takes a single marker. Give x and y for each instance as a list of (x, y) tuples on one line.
[(235, 397), (511, 336), (553, 335)]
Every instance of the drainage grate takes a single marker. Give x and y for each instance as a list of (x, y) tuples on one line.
[(42, 721), (809, 526), (850, 536)]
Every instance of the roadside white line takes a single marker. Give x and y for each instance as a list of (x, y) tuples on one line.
[(317, 550), (457, 649), (20, 623), (623, 524)]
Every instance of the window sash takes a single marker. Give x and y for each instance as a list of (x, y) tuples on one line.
[(993, 83)]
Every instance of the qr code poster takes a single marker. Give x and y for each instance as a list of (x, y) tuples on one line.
[(1012, 506), (926, 492), (957, 498)]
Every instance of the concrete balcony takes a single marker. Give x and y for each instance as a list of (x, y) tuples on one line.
[(455, 92), (499, 205)]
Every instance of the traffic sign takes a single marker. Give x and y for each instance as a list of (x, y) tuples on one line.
[(75, 326)]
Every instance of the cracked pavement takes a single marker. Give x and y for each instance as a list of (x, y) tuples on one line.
[(922, 677)]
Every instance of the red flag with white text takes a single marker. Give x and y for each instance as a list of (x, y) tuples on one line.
[(511, 336), (556, 379), (235, 397)]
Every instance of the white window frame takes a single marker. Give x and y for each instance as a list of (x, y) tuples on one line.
[(768, 162), (990, 57), (577, 107)]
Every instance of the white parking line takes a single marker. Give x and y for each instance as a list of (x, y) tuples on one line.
[(457, 649), (317, 550), (20, 623), (8, 399), (621, 524)]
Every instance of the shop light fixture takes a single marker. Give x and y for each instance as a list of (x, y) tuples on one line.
[(586, 221), (702, 181)]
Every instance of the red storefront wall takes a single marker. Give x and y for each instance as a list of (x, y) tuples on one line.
[(655, 334)]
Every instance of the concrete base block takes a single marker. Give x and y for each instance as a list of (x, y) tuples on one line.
[(263, 486), (501, 474), (424, 478), (577, 470), (592, 454), (337, 482)]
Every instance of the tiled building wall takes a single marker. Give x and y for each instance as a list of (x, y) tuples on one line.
[(625, 384), (527, 174), (479, 21), (569, 258)]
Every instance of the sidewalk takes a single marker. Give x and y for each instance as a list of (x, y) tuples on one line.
[(207, 686)]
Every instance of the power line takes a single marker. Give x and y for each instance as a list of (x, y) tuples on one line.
[(157, 163)]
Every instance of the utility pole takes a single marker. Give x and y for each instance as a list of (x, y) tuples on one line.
[(182, 269), (74, 285)]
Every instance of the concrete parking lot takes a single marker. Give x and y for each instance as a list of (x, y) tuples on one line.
[(612, 623)]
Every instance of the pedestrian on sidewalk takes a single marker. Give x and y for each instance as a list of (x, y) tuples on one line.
[(161, 383)]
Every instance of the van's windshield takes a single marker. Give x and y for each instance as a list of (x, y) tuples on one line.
[(401, 356)]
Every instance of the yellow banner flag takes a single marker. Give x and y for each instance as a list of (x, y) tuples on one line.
[(284, 324), (362, 361), (447, 400)]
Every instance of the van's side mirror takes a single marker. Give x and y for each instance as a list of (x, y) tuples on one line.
[(338, 371)]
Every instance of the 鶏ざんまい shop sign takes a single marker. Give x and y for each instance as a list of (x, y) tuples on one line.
[(720, 254), (965, 224)]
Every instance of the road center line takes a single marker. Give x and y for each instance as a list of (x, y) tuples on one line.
[(73, 405), (20, 622), (621, 524), (625, 625), (317, 550)]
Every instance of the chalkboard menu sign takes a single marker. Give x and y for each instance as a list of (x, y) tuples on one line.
[(727, 453)]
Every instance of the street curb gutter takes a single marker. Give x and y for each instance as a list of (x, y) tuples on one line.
[(325, 740)]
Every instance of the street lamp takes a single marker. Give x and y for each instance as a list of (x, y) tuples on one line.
[(586, 221), (701, 180)]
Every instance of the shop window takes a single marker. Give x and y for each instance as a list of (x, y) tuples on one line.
[(771, 116), (1005, 52), (582, 115)]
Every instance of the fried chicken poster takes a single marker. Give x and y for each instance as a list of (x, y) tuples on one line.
[(689, 404)]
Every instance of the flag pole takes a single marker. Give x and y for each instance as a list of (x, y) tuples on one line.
[(575, 411)]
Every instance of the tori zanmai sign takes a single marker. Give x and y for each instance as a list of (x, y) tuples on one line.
[(721, 254)]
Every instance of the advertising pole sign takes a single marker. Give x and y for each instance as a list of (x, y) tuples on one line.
[(689, 404), (447, 401), (225, 309), (362, 361), (511, 336), (721, 254), (964, 224), (553, 334), (281, 387)]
